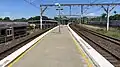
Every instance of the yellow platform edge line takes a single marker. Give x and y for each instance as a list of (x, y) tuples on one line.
[(20, 56), (87, 60)]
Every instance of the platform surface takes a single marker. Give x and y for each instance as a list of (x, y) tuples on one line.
[(54, 50)]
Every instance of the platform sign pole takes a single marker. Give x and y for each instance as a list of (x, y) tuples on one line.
[(41, 17), (108, 18), (59, 20), (59, 8), (81, 14)]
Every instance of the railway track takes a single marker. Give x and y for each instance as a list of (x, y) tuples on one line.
[(108, 47), (8, 49)]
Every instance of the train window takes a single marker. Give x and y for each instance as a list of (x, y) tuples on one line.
[(3, 32), (9, 32)]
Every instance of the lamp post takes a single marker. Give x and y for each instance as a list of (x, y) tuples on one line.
[(59, 8)]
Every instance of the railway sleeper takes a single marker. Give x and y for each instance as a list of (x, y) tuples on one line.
[(103, 46), (109, 57)]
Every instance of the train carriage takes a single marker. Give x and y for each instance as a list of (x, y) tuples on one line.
[(12, 30), (45, 23)]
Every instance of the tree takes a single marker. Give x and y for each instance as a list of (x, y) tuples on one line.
[(45, 18), (1, 19), (20, 20), (56, 18), (103, 15), (38, 18), (6, 19), (64, 17), (115, 12), (23, 19)]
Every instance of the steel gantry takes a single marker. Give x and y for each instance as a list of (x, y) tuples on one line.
[(105, 6)]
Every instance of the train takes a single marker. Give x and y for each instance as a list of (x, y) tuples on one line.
[(45, 23), (14, 30), (113, 23)]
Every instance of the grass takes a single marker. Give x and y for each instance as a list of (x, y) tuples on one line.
[(113, 31)]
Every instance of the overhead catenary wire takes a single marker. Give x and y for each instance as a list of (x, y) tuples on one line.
[(97, 10), (31, 3), (91, 3), (94, 2), (86, 9)]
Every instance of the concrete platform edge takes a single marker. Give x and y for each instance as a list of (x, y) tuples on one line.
[(18, 52), (96, 58)]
